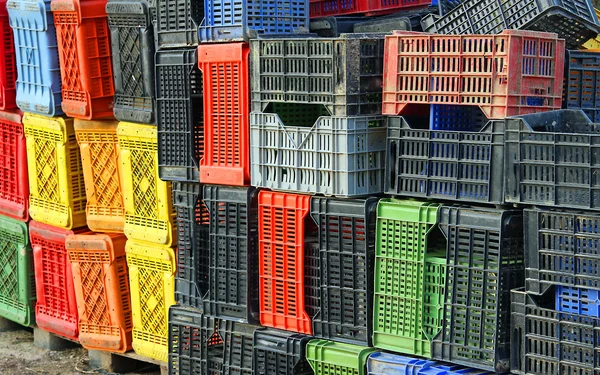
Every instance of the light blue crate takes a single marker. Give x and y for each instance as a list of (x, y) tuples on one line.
[(395, 364), (38, 68), (239, 20), (579, 301)]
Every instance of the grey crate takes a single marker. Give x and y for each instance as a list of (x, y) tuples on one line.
[(340, 156), (573, 20), (344, 74)]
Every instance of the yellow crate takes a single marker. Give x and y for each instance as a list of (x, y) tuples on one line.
[(149, 214), (56, 185), (594, 43), (102, 172), (152, 285)]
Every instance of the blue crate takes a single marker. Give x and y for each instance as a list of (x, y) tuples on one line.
[(38, 68), (239, 20), (582, 83), (394, 364), (579, 301), (456, 117)]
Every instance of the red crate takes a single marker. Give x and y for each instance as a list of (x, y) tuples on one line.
[(8, 68), (83, 41), (285, 227), (102, 291), (226, 159), (512, 73), (14, 180), (323, 8), (56, 307)]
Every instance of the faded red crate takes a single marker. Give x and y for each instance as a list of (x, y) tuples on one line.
[(283, 235), (56, 307), (323, 8), (226, 159), (83, 41), (14, 180), (8, 68), (512, 73)]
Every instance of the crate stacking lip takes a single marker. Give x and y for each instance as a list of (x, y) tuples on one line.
[(38, 68), (132, 41), (56, 306), (8, 70), (17, 280), (240, 20), (323, 8), (335, 358), (101, 284), (149, 214), (84, 53), (100, 158), (280, 353), (14, 189), (177, 23), (152, 286), (381, 363), (582, 77), (56, 183), (512, 73), (573, 20)]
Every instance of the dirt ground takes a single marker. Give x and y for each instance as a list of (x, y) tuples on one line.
[(18, 356)]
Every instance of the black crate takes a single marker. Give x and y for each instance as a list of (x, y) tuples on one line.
[(132, 44), (335, 26), (280, 353), (551, 160), (449, 165), (233, 248), (545, 341), (179, 114), (343, 74), (445, 6), (199, 344), (573, 20), (345, 261), (484, 261), (177, 23), (582, 83), (191, 280)]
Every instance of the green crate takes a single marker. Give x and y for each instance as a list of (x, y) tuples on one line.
[(410, 267), (335, 358), (17, 285)]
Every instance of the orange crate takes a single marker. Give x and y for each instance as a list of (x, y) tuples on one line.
[(102, 174), (102, 291), (226, 159), (14, 179), (8, 68), (83, 41)]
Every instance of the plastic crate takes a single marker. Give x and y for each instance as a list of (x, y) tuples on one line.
[(56, 307), (283, 233), (101, 284), (56, 183), (226, 159), (549, 342), (511, 73), (594, 42), (445, 6), (341, 156), (149, 214), (342, 74), (179, 115), (233, 258), (238, 20), (84, 55), (204, 345), (449, 165), (582, 83), (102, 174), (8, 70), (177, 23), (346, 233), (152, 286), (552, 160), (17, 280), (280, 353), (322, 8), (335, 358), (562, 248), (132, 43), (409, 277), (14, 178), (456, 118), (393, 364), (578, 301), (485, 261), (573, 20)]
